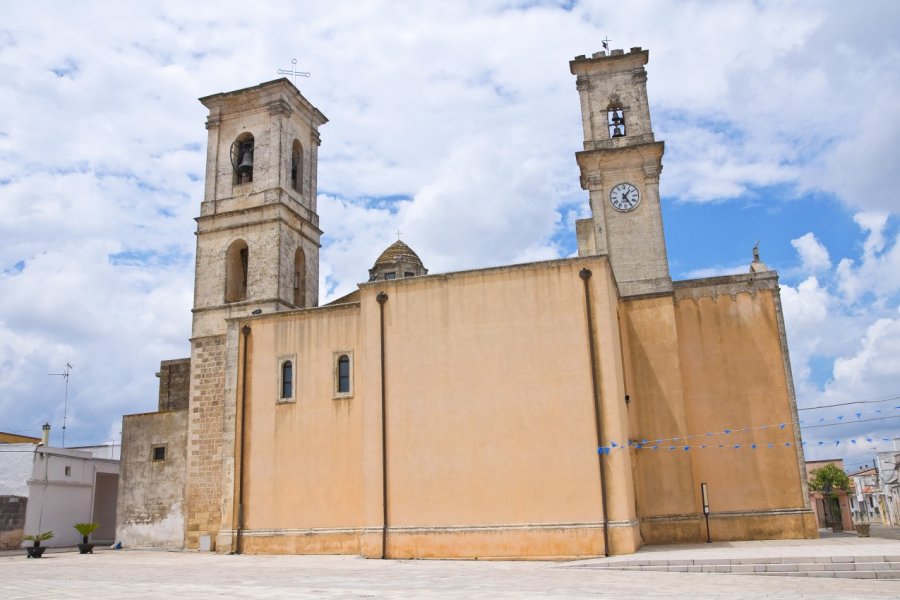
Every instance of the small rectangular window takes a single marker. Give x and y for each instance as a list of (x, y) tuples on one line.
[(159, 453), (390, 276), (408, 274), (68, 471)]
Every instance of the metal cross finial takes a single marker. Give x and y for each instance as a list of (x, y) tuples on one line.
[(605, 43), (398, 234), (293, 72)]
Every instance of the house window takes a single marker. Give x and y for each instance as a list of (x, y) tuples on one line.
[(343, 373), (287, 378), (68, 471), (159, 453), (390, 276), (242, 158)]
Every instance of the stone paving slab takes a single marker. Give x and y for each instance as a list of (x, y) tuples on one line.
[(152, 575)]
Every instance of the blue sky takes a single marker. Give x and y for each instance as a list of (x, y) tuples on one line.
[(456, 123)]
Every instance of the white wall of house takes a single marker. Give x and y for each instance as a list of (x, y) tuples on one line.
[(71, 486), (15, 468)]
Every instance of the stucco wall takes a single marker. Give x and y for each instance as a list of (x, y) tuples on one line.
[(151, 492), (726, 356), (491, 445)]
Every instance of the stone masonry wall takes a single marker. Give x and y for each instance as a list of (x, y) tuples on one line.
[(12, 521), (150, 506), (174, 384), (205, 429)]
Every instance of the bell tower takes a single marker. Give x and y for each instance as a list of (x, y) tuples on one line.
[(620, 167), (258, 230), (257, 250)]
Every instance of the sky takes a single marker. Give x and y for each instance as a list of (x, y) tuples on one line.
[(455, 123)]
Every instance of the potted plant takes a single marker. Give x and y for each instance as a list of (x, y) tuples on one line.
[(37, 550), (85, 529)]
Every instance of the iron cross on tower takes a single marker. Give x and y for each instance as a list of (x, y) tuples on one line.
[(293, 72)]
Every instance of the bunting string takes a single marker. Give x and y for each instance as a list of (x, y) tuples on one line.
[(668, 446)]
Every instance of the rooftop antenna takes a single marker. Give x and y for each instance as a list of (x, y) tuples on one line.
[(65, 400), (293, 72)]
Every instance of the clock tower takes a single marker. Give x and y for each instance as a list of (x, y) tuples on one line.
[(620, 167)]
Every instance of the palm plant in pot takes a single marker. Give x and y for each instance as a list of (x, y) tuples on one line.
[(36, 550), (85, 529)]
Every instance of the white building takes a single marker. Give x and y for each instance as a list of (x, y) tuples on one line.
[(70, 486)]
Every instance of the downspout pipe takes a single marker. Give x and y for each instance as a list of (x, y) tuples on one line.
[(245, 331), (585, 275), (381, 298)]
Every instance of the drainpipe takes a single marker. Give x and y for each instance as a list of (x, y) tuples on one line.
[(585, 275), (245, 330), (381, 298)]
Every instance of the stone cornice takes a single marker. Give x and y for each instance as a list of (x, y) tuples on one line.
[(726, 285)]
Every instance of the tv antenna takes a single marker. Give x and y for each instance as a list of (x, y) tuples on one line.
[(293, 72), (65, 400)]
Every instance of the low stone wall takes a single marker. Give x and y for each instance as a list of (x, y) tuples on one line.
[(12, 521)]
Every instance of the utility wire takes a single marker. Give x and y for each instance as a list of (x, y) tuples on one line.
[(886, 399), (849, 422)]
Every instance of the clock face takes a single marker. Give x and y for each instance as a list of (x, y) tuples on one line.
[(624, 197)]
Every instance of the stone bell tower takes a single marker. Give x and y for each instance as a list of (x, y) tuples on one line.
[(257, 250), (620, 167)]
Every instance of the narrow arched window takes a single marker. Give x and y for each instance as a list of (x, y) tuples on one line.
[(297, 166), (242, 150), (237, 263), (299, 278), (287, 380), (343, 386)]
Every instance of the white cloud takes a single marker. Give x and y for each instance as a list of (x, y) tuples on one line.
[(813, 254)]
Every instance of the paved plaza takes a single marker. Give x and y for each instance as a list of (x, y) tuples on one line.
[(146, 574)]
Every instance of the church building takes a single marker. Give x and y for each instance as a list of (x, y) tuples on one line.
[(565, 408)]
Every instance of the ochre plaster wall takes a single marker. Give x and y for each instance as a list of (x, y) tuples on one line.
[(722, 366), (302, 464), (491, 444), (663, 479)]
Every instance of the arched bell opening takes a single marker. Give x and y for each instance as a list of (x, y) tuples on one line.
[(242, 158), (237, 263)]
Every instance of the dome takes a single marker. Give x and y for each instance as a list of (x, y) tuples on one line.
[(398, 260)]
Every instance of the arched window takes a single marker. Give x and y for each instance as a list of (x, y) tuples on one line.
[(237, 261), (242, 158), (287, 380), (343, 374), (299, 278), (297, 166)]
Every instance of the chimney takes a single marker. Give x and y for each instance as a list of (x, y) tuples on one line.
[(45, 434)]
